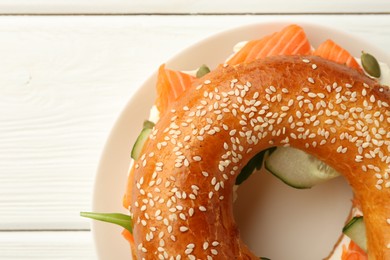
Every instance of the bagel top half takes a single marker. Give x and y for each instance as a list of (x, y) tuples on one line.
[(182, 196)]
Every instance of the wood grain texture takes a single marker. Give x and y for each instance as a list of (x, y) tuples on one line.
[(192, 6), (46, 245)]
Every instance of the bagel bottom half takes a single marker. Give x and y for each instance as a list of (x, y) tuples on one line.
[(181, 198)]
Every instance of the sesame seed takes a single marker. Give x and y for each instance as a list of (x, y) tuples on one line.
[(192, 246), (183, 229), (197, 158), (194, 187), (329, 121), (214, 251), (162, 243), (202, 208), (178, 165)]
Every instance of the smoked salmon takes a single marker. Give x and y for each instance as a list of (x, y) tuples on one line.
[(353, 252), (170, 85), (291, 40), (331, 51)]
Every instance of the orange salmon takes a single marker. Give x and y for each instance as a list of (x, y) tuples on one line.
[(291, 40), (331, 51), (353, 252), (170, 85)]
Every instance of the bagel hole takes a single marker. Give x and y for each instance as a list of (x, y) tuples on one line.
[(281, 222)]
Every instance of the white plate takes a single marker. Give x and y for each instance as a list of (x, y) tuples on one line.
[(275, 221)]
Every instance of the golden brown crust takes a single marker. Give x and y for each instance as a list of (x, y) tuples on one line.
[(182, 194)]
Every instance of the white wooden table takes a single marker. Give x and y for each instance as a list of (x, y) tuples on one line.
[(65, 78)]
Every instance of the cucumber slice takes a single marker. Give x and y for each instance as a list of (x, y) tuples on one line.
[(356, 230), (255, 163), (143, 136), (297, 168)]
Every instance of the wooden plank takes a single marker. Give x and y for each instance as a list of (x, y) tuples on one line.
[(46, 245), (64, 81), (191, 7)]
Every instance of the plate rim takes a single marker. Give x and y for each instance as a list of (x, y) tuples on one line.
[(151, 79)]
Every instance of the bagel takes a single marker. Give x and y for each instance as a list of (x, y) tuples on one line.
[(182, 184)]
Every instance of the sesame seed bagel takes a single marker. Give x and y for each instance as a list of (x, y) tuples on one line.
[(181, 200)]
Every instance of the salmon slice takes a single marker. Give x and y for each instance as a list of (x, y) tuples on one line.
[(331, 51), (291, 40), (129, 190), (353, 252), (170, 85), (130, 238)]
